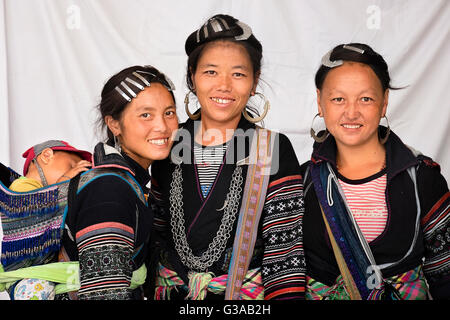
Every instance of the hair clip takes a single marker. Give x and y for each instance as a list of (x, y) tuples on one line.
[(348, 47), (246, 31), (328, 63), (123, 88), (123, 94)]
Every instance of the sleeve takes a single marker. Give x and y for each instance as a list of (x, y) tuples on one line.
[(160, 221), (435, 203), (105, 239), (284, 266)]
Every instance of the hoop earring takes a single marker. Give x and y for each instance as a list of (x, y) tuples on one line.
[(316, 138), (388, 132), (117, 144), (186, 106), (261, 117)]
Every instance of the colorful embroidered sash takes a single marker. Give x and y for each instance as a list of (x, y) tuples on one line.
[(257, 180), (200, 283), (411, 285), (342, 228)]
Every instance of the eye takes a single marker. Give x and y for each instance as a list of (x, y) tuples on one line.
[(338, 100), (210, 72), (145, 115), (170, 113), (239, 75), (366, 99)]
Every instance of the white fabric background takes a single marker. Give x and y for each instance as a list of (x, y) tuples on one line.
[(55, 56)]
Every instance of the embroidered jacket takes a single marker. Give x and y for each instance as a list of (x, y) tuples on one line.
[(432, 241), (279, 245), (108, 228)]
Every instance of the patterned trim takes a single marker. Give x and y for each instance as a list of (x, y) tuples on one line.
[(105, 256), (436, 228), (284, 263)]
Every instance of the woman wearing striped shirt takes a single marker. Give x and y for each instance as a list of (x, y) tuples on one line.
[(201, 190), (376, 211)]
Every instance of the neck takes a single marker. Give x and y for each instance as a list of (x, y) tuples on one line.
[(360, 161), (212, 134), (143, 162), (33, 174)]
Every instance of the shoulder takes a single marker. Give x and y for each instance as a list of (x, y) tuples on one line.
[(24, 184), (108, 186), (284, 150), (284, 161)]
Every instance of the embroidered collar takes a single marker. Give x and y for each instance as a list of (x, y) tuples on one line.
[(106, 156), (184, 141)]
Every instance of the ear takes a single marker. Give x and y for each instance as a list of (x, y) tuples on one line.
[(319, 108), (385, 103), (192, 79), (255, 83), (113, 125), (46, 156)]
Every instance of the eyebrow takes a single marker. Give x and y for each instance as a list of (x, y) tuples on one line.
[(211, 65), (335, 90), (150, 108)]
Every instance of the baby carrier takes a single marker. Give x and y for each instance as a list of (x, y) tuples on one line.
[(33, 222)]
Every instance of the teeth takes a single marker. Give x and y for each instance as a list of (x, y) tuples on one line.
[(219, 100), (158, 142), (351, 126)]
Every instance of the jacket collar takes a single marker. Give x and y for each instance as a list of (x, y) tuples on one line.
[(106, 156), (399, 157)]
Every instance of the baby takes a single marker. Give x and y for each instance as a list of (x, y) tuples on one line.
[(47, 163), (50, 162)]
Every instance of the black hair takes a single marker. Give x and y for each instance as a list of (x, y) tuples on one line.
[(113, 103), (194, 57), (230, 29), (371, 58)]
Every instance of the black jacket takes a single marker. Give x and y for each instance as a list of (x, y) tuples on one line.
[(120, 224), (283, 202), (398, 235)]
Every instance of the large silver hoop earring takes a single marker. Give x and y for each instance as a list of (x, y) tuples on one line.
[(186, 106), (388, 132), (263, 115), (322, 137)]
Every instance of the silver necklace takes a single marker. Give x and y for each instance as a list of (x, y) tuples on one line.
[(177, 222)]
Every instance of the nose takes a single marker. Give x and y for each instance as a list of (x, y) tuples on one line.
[(224, 83), (160, 124), (352, 110)]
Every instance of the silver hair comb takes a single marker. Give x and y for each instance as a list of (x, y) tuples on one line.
[(218, 24), (331, 64), (123, 88)]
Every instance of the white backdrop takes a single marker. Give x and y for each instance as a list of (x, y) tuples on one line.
[(55, 56)]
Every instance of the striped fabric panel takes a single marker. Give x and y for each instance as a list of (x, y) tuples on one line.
[(105, 255), (283, 269), (368, 204), (208, 161), (436, 226)]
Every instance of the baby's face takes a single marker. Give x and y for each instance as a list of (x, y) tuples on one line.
[(61, 163)]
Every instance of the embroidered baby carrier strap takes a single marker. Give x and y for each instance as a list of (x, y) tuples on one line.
[(255, 190), (31, 223)]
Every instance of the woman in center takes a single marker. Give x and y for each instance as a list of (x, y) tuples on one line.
[(230, 197)]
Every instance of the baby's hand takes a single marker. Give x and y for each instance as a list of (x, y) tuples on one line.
[(81, 166)]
